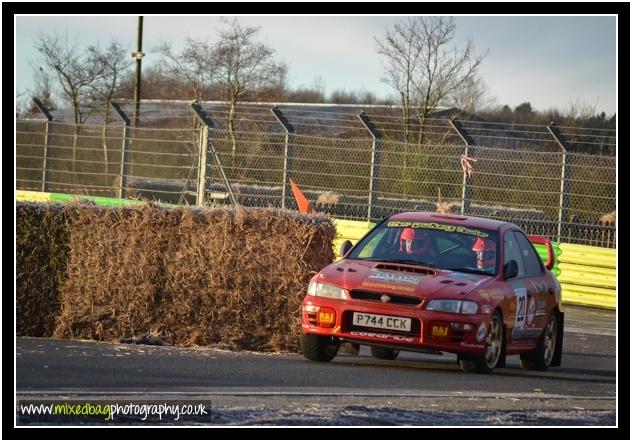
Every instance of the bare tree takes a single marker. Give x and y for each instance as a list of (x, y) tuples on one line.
[(423, 68), (243, 65), (194, 65), (75, 72), (112, 64), (473, 96), (44, 87)]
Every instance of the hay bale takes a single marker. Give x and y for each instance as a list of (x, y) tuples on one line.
[(609, 217), (327, 198), (41, 257), (192, 276)]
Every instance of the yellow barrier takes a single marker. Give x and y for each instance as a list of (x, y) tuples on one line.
[(606, 271), (590, 296), (588, 255), (26, 195), (588, 275), (349, 230)]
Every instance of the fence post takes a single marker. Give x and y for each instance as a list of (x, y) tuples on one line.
[(43, 109), (376, 154), (202, 165), (287, 154), (124, 149), (205, 145), (466, 193), (564, 178)]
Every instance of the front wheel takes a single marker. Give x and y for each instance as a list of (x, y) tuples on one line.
[(494, 346), (541, 358), (319, 348)]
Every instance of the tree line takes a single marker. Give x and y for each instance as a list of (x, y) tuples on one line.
[(422, 66)]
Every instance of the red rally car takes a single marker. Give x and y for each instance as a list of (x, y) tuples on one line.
[(433, 283)]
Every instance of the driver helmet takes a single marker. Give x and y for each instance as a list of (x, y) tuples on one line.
[(414, 241), (485, 250)]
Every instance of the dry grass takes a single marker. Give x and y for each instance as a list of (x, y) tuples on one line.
[(41, 256), (191, 276)]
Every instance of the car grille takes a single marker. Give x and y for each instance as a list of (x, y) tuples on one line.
[(377, 297), (347, 326)]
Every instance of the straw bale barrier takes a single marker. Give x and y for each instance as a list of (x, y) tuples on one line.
[(41, 254), (191, 276)]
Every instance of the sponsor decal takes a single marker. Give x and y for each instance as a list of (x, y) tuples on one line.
[(395, 277), (382, 336), (481, 332), (520, 309), (540, 288), (378, 285), (531, 311), (326, 317), (466, 344), (525, 308), (439, 331), (438, 226), (527, 333)]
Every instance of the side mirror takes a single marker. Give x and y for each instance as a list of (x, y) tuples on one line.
[(345, 247), (511, 269)]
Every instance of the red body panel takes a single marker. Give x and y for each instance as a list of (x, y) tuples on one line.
[(383, 288)]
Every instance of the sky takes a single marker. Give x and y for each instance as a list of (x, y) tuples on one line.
[(549, 61)]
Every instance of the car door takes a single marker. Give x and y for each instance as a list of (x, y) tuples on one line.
[(527, 306), (540, 295)]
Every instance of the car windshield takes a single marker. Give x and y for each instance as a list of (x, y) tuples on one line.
[(438, 245)]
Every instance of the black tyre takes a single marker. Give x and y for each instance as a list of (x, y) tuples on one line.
[(494, 348), (319, 348), (541, 358), (384, 353)]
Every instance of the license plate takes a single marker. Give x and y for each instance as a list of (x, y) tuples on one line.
[(381, 321)]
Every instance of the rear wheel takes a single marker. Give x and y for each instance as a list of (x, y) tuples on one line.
[(319, 348), (384, 353), (541, 358), (494, 347)]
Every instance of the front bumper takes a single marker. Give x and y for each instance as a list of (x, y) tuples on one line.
[(435, 331)]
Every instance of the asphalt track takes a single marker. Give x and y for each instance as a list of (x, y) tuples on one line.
[(249, 388)]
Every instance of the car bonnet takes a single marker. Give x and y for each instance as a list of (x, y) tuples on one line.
[(400, 279)]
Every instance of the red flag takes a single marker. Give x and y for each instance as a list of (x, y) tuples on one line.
[(304, 205)]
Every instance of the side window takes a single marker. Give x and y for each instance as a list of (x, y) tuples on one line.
[(512, 251), (532, 263)]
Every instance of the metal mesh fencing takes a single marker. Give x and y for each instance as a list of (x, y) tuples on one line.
[(30, 141), (567, 196)]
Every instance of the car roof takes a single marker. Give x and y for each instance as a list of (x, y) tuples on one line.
[(459, 220)]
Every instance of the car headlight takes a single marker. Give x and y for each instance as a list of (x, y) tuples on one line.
[(326, 291), (453, 306)]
